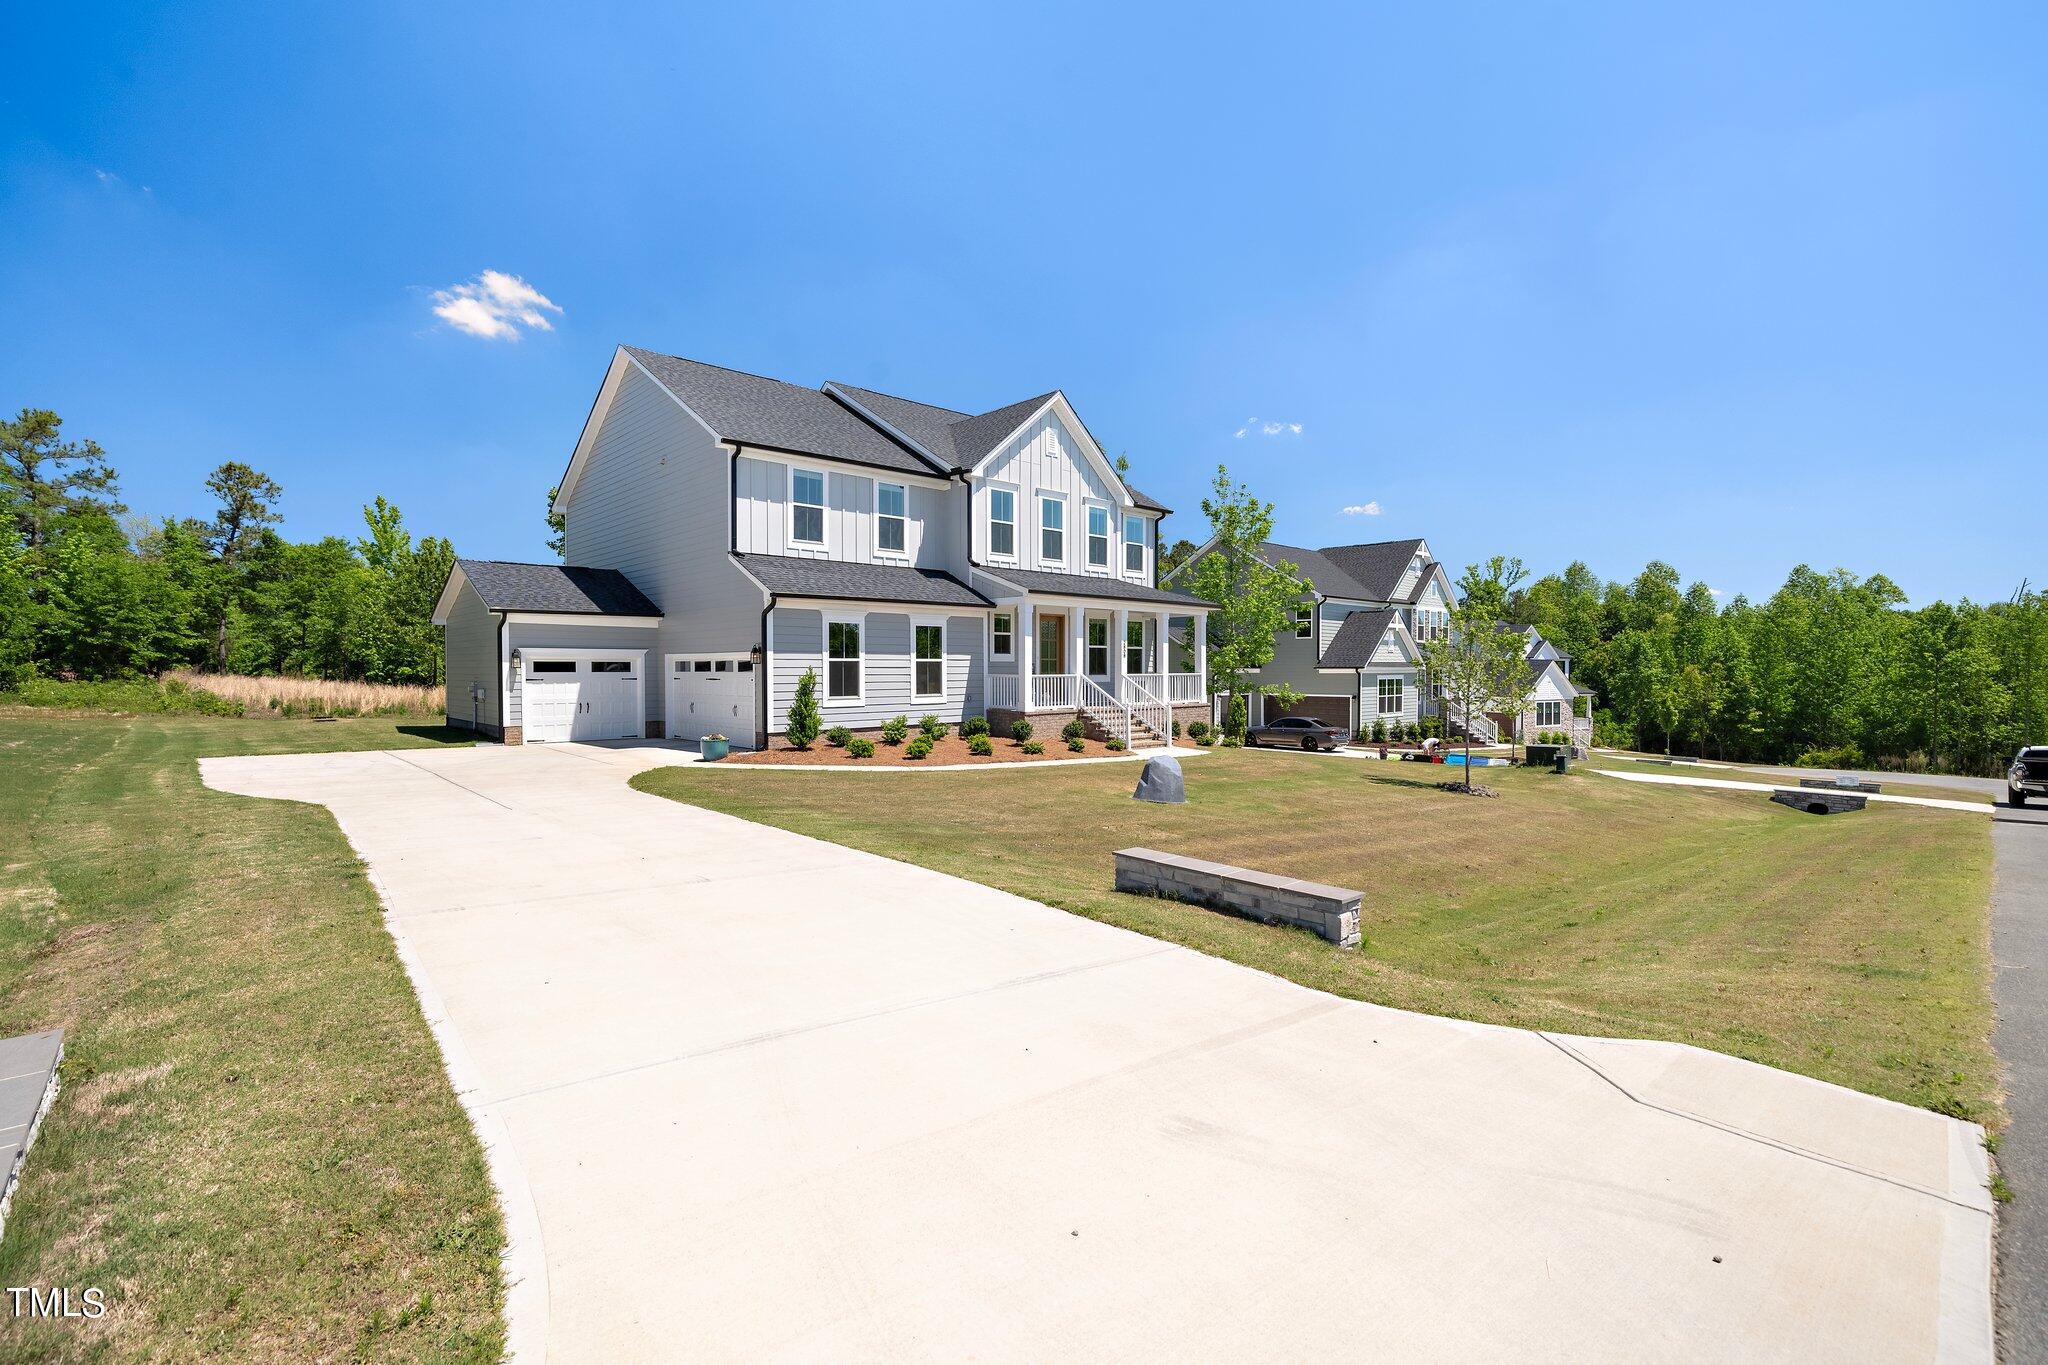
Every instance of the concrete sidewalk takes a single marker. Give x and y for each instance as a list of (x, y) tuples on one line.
[(764, 1096)]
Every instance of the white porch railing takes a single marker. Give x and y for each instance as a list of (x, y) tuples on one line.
[(1175, 689), (1147, 693), (1112, 715), (1002, 692), (1145, 707)]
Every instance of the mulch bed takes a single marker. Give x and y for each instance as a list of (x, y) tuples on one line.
[(951, 749)]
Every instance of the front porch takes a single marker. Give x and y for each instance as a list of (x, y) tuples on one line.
[(1125, 667)]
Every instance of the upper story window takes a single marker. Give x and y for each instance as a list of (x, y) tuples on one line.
[(1098, 537), (1052, 530), (1134, 544), (807, 507), (890, 523), (1002, 522), (1304, 622)]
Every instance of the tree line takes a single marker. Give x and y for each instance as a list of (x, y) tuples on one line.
[(89, 590), (1832, 667)]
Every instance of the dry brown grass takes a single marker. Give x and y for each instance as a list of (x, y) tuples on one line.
[(315, 696)]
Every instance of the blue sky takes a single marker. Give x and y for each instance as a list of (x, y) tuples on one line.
[(1730, 286)]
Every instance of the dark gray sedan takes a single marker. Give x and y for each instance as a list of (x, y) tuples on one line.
[(1298, 732)]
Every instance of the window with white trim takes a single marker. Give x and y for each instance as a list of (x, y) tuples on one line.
[(1098, 646), (807, 507), (1550, 713), (1098, 537), (1134, 544), (928, 669), (1002, 522), (1002, 634), (1390, 696), (1304, 622), (891, 525), (1134, 646), (842, 661), (1052, 530)]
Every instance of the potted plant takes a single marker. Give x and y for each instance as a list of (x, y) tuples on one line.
[(711, 748)]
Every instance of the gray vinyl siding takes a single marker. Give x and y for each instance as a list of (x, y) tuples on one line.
[(653, 502), (470, 641), (886, 668), (761, 516), (1294, 665), (1369, 696)]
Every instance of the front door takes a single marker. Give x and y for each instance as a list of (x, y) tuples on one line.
[(1052, 643)]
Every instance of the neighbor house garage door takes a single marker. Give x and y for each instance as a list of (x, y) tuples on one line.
[(1329, 710), (590, 695), (711, 694)]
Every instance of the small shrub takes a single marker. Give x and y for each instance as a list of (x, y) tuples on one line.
[(1176, 729), (980, 746), (918, 748), (1032, 746), (1074, 729), (1205, 739), (1412, 732), (1379, 732), (972, 726), (1197, 729), (1236, 721), (932, 728), (860, 747), (1115, 746), (1020, 731), (1077, 746), (894, 729), (802, 726), (837, 736), (1232, 742)]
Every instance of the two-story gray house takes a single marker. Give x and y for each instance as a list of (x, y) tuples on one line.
[(726, 534)]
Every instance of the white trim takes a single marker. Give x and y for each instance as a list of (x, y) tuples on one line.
[(944, 658), (615, 375), (1145, 544), (580, 653), (853, 468), (884, 423), (1112, 538), (574, 618), (824, 506), (450, 591), (1010, 654), (1200, 553), (989, 517), (1039, 500), (797, 602), (860, 620), (892, 556), (1071, 420)]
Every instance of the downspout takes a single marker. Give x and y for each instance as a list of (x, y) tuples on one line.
[(763, 694), (504, 679)]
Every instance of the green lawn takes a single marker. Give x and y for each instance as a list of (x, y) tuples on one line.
[(256, 1153), (1852, 949)]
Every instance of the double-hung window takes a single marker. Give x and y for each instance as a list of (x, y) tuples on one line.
[(1098, 537), (928, 669), (1002, 522), (1134, 647), (842, 661), (807, 507), (1134, 544), (890, 524), (1098, 646), (1002, 634), (1549, 713), (1052, 530), (1304, 622), (1390, 696)]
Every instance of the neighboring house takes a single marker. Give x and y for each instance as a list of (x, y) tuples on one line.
[(1556, 700), (725, 533), (1354, 650)]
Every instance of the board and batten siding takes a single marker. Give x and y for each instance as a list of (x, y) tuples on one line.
[(652, 502), (470, 641), (761, 516), (1046, 458), (886, 639)]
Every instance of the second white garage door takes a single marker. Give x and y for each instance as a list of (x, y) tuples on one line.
[(710, 694)]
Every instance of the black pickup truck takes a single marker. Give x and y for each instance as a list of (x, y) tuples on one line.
[(2029, 774)]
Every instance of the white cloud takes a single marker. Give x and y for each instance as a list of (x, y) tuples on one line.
[(1715, 592), (1363, 509), (1254, 427), (494, 305)]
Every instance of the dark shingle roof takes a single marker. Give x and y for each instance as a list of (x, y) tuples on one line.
[(1353, 644), (570, 588), (768, 412), (1364, 573), (839, 579), (1087, 585)]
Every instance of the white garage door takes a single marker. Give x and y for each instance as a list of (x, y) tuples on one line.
[(592, 695), (710, 695)]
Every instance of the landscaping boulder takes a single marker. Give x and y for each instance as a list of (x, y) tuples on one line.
[(1162, 782)]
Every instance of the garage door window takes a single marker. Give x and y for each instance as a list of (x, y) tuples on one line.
[(554, 665), (930, 667), (842, 661), (611, 666)]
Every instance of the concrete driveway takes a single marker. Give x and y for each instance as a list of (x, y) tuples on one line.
[(753, 1095)]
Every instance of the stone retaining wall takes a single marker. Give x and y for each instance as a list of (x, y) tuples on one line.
[(1331, 911), (1852, 785), (1823, 802)]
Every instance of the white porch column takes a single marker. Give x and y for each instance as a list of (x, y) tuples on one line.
[(1202, 652), (1161, 661), (1026, 644), (1119, 655), (1077, 657)]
